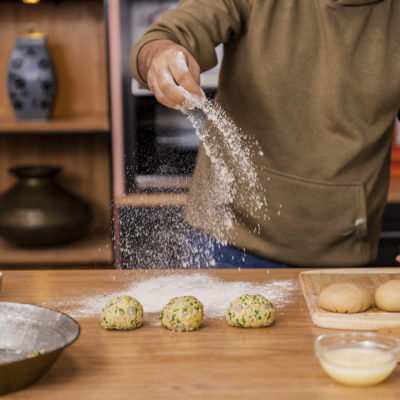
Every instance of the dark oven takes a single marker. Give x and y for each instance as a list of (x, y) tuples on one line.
[(160, 143)]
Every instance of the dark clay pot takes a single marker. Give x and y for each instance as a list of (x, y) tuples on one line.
[(37, 211)]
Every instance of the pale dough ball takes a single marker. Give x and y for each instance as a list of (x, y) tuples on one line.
[(122, 312), (387, 296), (345, 297), (250, 311), (182, 314)]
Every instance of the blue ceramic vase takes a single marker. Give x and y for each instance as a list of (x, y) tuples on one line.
[(31, 78)]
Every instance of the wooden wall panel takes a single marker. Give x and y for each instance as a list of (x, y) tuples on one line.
[(76, 38), (84, 158)]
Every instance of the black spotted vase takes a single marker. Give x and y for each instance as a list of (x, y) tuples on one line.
[(31, 78)]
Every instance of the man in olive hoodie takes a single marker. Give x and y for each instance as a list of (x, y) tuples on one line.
[(317, 84)]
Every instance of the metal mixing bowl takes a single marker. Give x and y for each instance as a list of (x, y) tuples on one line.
[(25, 330)]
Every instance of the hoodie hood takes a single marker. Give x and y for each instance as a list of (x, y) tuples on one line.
[(356, 2)]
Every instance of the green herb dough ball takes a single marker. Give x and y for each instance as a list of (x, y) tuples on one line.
[(123, 312), (182, 314), (250, 311)]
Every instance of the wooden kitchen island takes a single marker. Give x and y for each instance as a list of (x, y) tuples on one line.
[(216, 362)]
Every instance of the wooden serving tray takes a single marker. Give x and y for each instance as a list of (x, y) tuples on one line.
[(312, 282)]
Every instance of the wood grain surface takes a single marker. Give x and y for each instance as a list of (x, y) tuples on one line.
[(216, 362), (85, 163), (312, 282), (94, 250), (76, 37)]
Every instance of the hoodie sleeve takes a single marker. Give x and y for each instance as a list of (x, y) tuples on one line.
[(197, 25)]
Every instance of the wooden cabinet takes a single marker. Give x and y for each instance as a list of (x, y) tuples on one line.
[(78, 135)]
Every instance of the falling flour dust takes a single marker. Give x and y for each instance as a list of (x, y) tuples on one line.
[(233, 170), (231, 154), (155, 293)]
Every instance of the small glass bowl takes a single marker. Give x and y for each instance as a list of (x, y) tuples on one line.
[(358, 358)]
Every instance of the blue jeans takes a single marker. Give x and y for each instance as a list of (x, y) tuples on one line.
[(202, 251)]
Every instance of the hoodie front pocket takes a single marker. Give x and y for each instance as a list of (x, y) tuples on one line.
[(317, 219)]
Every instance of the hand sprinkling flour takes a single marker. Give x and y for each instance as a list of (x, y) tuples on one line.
[(174, 77), (237, 152), (191, 101)]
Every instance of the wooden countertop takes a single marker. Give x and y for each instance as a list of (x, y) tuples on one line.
[(216, 362)]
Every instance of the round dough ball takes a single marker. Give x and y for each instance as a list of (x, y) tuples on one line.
[(122, 312), (250, 311), (345, 297), (182, 314), (387, 295)]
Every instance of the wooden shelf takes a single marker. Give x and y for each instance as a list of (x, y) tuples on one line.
[(94, 249), (74, 124), (76, 137), (152, 200)]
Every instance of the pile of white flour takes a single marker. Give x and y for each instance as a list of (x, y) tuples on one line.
[(155, 293)]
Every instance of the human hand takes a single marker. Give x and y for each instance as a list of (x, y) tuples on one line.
[(172, 74)]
